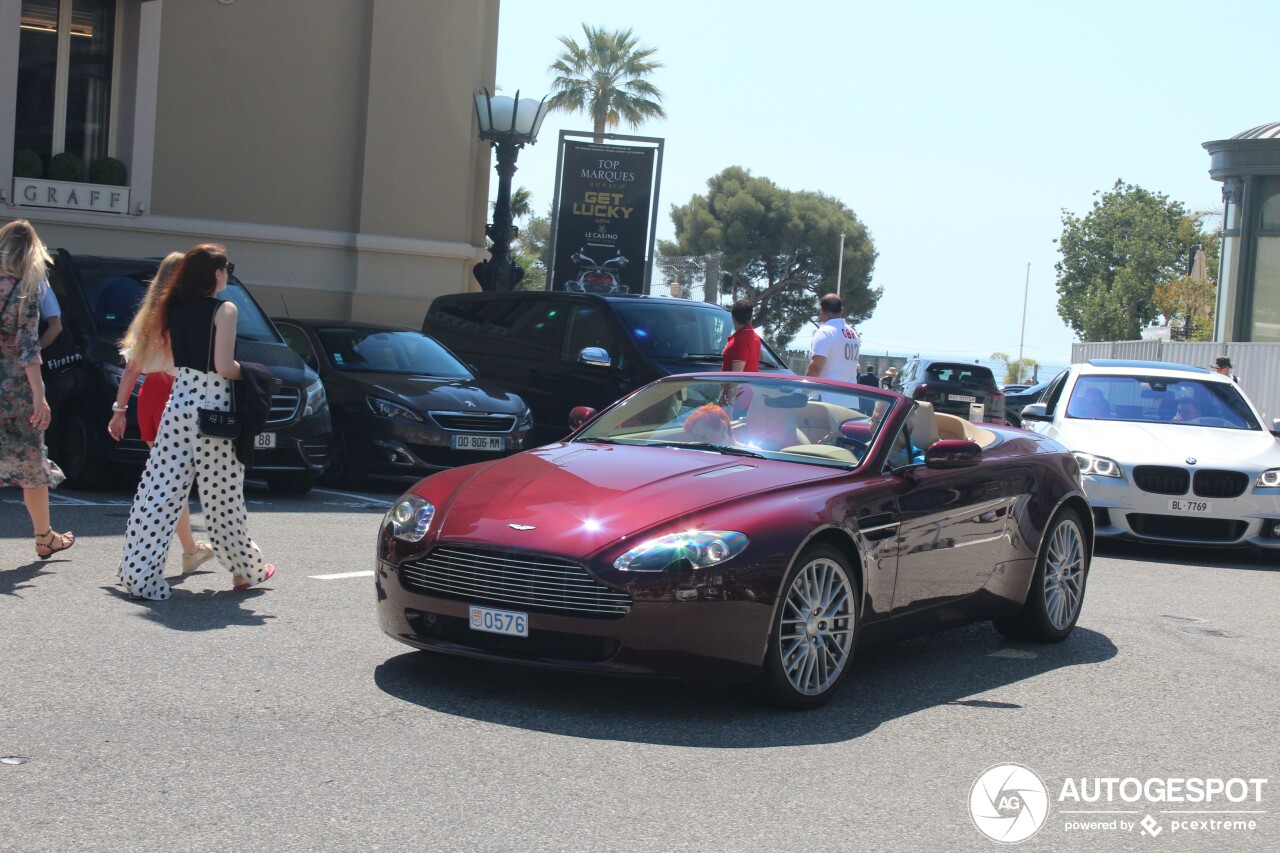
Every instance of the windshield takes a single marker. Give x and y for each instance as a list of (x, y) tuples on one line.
[(1151, 399), (771, 418), (695, 333), (380, 351), (113, 288)]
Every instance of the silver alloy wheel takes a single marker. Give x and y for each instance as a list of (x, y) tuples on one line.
[(1064, 574), (815, 637)]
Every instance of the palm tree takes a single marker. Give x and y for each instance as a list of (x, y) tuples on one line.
[(605, 79)]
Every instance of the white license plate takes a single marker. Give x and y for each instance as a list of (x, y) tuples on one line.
[(961, 398), (264, 440), (513, 623), (1187, 507), (479, 442)]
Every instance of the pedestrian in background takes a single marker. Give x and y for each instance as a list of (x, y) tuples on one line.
[(147, 353), (890, 376), (201, 332), (833, 353), (50, 313), (1222, 365), (868, 377), (742, 352), (24, 461)]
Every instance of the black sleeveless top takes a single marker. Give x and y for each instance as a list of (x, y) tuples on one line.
[(191, 333)]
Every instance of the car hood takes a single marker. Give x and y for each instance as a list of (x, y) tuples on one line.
[(435, 393), (1128, 442), (575, 498)]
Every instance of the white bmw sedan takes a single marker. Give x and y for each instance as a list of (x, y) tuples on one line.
[(1167, 452)]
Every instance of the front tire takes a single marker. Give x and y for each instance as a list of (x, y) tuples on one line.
[(814, 630), (81, 453), (1056, 596), (346, 470)]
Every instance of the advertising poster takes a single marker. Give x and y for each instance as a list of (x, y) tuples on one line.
[(602, 227)]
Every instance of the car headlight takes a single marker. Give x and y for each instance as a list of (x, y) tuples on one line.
[(117, 376), (315, 399), (410, 518), (1098, 466), (526, 423), (1269, 479), (388, 409), (702, 548)]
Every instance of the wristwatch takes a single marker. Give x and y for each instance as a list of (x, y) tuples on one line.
[(116, 407)]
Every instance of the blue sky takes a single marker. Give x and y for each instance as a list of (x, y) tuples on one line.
[(956, 132)]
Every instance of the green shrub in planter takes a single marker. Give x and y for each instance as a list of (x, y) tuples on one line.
[(27, 164), (66, 167), (107, 170)]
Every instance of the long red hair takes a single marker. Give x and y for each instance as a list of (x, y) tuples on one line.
[(195, 276)]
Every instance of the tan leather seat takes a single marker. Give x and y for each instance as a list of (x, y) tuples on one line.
[(924, 425), (771, 428)]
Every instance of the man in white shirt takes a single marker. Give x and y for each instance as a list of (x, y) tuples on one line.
[(50, 312), (833, 354)]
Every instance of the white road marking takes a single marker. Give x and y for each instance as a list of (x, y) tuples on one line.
[(341, 575), (364, 498)]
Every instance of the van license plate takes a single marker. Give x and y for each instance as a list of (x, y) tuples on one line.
[(264, 441), (479, 442), (1186, 507), (513, 623)]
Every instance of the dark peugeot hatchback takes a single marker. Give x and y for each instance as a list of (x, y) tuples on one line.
[(953, 387), (83, 368)]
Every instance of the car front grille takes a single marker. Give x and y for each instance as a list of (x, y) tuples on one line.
[(539, 644), (284, 405), (473, 421), (1219, 484), (1162, 480), (510, 578), (1184, 529)]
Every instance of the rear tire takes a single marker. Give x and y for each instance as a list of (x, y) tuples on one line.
[(814, 630), (1056, 596), (80, 453)]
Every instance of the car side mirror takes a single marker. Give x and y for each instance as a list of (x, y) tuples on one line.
[(595, 357), (952, 453), (1035, 412), (579, 415)]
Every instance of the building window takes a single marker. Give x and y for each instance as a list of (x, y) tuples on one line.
[(65, 61)]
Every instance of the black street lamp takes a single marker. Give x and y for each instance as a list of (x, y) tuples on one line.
[(510, 124)]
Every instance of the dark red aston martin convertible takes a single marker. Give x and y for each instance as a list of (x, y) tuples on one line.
[(739, 527)]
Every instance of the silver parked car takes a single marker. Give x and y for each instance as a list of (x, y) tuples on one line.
[(1168, 453)]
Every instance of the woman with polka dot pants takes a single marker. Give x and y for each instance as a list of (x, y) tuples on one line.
[(201, 330)]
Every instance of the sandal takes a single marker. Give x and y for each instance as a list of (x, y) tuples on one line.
[(242, 585), (50, 543), (193, 561)]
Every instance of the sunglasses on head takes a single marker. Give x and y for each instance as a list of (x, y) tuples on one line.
[(231, 268)]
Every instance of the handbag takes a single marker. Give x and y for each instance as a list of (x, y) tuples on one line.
[(214, 423)]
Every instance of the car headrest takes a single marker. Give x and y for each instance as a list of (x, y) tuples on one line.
[(924, 425)]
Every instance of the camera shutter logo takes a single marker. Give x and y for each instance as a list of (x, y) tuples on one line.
[(1009, 803)]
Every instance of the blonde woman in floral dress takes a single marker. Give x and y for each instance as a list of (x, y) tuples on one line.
[(24, 412)]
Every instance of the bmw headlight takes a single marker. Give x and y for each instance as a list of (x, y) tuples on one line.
[(702, 548), (315, 399), (388, 409), (1269, 479), (1098, 466), (410, 518)]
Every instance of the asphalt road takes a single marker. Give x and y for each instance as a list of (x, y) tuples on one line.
[(283, 720)]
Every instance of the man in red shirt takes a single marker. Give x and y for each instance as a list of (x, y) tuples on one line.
[(742, 352)]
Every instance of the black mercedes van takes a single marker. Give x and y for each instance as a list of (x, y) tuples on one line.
[(83, 368), (558, 350)]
